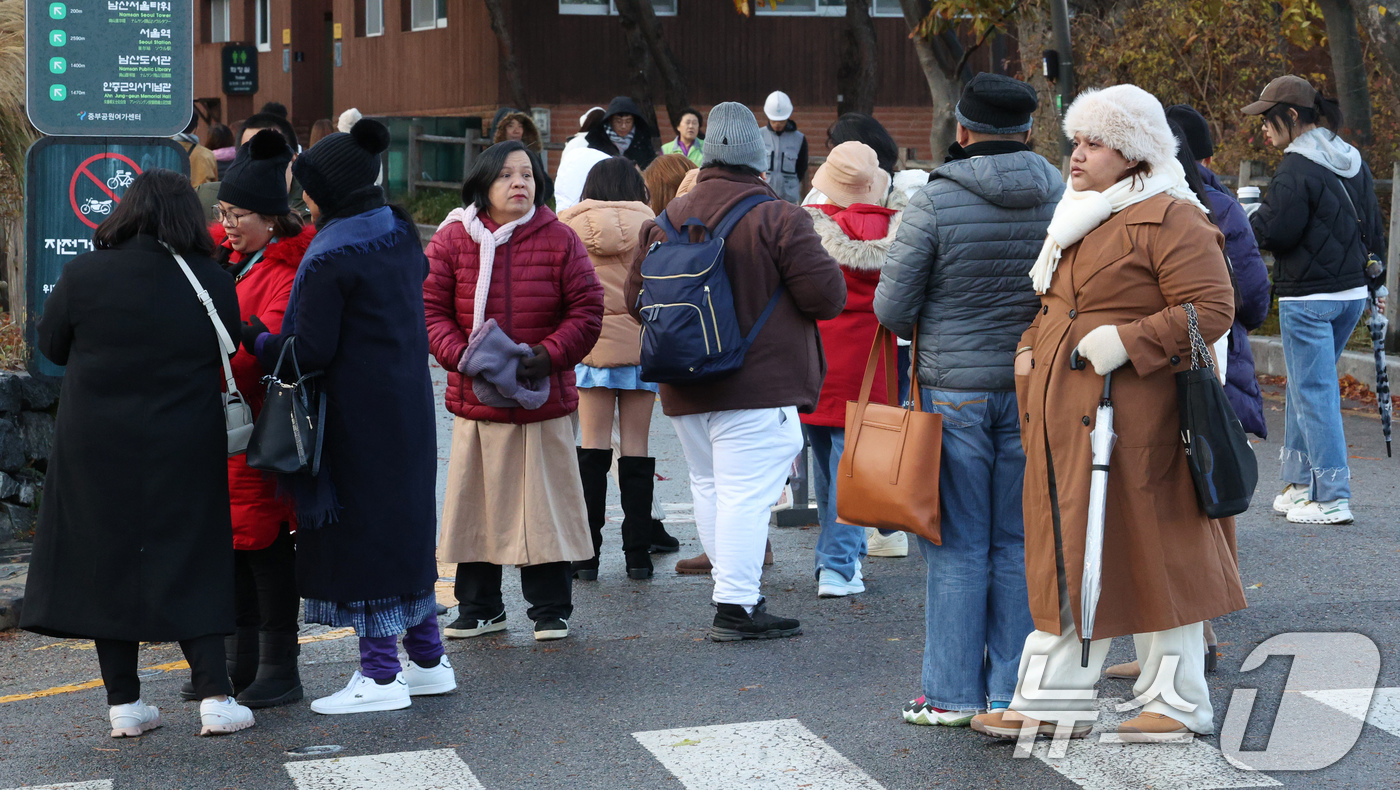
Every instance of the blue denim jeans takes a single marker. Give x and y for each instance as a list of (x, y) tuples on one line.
[(839, 546), (1314, 447), (977, 614)]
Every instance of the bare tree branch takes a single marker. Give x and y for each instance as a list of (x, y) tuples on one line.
[(857, 76), (515, 85)]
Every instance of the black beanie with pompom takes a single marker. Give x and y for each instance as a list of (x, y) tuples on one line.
[(341, 169), (257, 178)]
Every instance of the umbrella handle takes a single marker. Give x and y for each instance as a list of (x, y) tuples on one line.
[(1077, 362), (1084, 653)]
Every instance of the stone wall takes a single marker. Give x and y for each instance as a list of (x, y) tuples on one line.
[(27, 408)]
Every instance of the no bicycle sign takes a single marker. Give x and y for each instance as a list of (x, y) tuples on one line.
[(72, 185)]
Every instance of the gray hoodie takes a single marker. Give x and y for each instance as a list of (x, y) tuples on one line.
[(958, 267), (1328, 150)]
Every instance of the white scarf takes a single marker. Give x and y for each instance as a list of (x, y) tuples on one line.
[(486, 242), (1079, 213)]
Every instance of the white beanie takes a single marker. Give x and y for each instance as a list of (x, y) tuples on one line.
[(348, 119), (778, 107), (1126, 118), (583, 119)]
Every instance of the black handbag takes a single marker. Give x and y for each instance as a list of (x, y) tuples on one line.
[(1223, 466), (287, 434)]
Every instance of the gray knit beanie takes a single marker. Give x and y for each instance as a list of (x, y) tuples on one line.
[(733, 138)]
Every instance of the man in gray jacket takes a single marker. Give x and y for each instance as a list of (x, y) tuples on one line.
[(958, 273)]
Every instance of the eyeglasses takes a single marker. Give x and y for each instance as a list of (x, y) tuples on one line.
[(230, 217)]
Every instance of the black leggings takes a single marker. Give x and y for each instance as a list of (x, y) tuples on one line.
[(265, 586), (117, 657)]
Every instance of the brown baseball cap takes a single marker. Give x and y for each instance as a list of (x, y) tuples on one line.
[(1283, 90)]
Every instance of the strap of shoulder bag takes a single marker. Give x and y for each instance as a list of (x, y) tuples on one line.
[(1356, 215), (226, 344)]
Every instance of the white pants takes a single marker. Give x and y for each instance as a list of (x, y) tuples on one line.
[(739, 462), (1062, 671)]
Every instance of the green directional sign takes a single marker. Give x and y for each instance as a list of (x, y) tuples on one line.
[(240, 67), (110, 67)]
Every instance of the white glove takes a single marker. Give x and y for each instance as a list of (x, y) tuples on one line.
[(1104, 349)]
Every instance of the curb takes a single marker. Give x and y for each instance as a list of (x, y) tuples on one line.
[(1268, 360)]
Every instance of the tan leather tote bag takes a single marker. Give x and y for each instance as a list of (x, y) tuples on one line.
[(888, 475)]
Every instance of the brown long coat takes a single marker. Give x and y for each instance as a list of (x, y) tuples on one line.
[(611, 231), (1165, 564)]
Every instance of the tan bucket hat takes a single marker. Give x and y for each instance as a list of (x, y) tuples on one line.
[(851, 174)]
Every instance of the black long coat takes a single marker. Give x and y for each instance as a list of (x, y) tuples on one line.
[(134, 539)]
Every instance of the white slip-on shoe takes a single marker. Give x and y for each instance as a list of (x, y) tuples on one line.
[(223, 717), (364, 695), (1338, 511), (431, 680), (132, 719), (831, 584), (1292, 496), (877, 545)]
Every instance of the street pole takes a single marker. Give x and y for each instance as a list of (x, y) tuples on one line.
[(1059, 31)]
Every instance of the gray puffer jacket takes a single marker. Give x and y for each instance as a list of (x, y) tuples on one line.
[(959, 267)]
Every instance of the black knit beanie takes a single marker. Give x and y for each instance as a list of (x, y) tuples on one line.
[(342, 167), (257, 179), (1196, 129), (996, 104)]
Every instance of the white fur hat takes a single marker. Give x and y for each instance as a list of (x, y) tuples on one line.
[(1126, 118)]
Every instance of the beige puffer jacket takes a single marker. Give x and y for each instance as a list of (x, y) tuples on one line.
[(611, 232)]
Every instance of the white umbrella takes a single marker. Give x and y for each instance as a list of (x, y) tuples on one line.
[(1101, 439)]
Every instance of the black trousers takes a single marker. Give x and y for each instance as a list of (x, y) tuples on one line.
[(548, 587), (265, 586), (117, 657)]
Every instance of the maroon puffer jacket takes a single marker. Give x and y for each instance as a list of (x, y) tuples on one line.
[(543, 291)]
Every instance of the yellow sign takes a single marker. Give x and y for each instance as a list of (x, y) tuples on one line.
[(286, 35), (336, 30)]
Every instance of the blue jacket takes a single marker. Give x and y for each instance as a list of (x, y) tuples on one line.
[(1252, 278)]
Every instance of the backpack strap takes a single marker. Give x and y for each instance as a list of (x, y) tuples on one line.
[(763, 316), (737, 213), (664, 222)]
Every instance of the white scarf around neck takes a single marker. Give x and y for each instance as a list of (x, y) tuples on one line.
[(1079, 213), (486, 242)]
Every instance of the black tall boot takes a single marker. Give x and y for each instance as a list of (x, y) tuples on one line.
[(277, 682), (593, 466), (636, 477), (241, 657)]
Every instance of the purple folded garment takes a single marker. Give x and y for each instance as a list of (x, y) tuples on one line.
[(492, 360)]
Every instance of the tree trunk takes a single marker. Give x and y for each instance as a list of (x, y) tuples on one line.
[(1383, 30), (639, 68), (663, 59), (857, 75), (1032, 37), (515, 85), (1348, 68), (943, 88)]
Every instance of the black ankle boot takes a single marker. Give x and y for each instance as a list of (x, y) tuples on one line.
[(277, 682), (662, 542), (241, 658), (593, 466), (636, 477)]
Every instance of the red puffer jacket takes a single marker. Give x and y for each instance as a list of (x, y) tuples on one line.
[(258, 513), (858, 238), (543, 291)]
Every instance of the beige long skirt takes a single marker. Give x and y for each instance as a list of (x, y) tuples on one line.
[(513, 495)]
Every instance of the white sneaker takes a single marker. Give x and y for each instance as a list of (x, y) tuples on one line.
[(830, 584), (1292, 497), (877, 545), (222, 718), (363, 695), (1338, 511), (132, 719), (432, 680)]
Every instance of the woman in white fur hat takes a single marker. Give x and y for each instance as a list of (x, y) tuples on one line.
[(1128, 247)]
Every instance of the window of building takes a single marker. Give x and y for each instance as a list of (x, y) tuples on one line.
[(374, 17), (218, 21), (802, 8), (427, 14), (609, 8), (886, 8), (262, 25)]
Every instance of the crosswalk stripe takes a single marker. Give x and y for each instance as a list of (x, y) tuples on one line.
[(437, 769), (1188, 765), (1385, 705), (757, 755), (100, 784)]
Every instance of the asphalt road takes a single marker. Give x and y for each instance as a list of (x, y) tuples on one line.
[(596, 710)]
